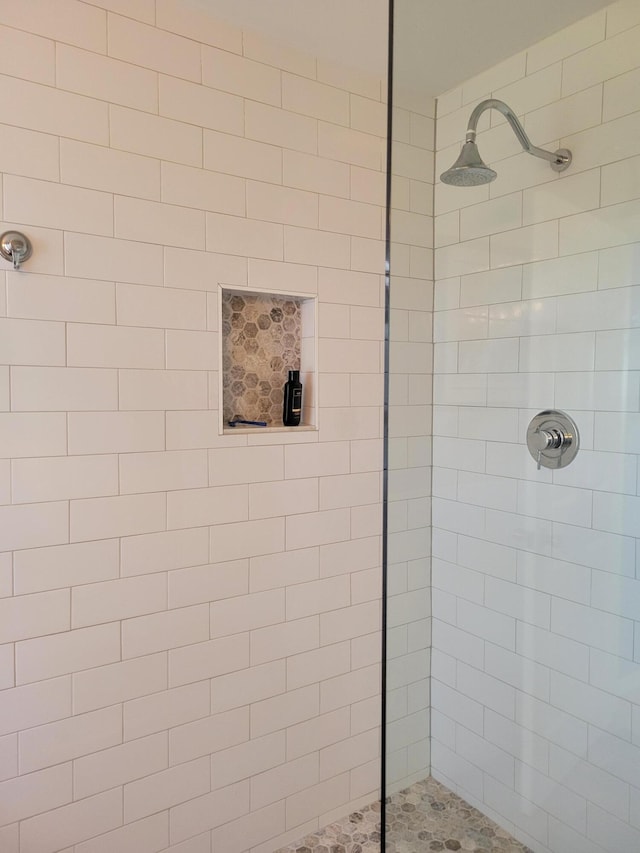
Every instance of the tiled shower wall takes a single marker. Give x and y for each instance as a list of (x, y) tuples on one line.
[(410, 391), (536, 598), (189, 623)]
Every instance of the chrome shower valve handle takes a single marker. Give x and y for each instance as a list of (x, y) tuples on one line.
[(543, 439), (553, 439)]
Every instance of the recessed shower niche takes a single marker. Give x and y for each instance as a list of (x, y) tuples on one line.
[(263, 336)]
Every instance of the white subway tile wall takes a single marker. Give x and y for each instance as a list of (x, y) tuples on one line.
[(189, 623), (536, 582)]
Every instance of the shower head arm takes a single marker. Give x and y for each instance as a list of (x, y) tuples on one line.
[(559, 159)]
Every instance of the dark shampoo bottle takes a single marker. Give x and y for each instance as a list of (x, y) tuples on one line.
[(292, 408)]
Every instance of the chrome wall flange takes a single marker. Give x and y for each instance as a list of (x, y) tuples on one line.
[(563, 160)]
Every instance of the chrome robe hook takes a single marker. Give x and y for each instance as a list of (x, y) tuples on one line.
[(15, 247)]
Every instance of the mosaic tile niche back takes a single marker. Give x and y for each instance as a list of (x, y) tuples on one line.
[(261, 342)]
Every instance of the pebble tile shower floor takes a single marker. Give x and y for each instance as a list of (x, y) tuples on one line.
[(425, 817)]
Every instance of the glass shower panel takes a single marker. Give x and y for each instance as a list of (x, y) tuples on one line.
[(408, 631), (513, 594)]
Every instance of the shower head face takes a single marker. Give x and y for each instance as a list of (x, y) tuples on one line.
[(469, 170), (468, 176)]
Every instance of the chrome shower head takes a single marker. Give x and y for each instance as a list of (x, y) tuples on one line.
[(469, 170)]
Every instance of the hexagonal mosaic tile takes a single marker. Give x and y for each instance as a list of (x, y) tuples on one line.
[(425, 817), (261, 339)]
